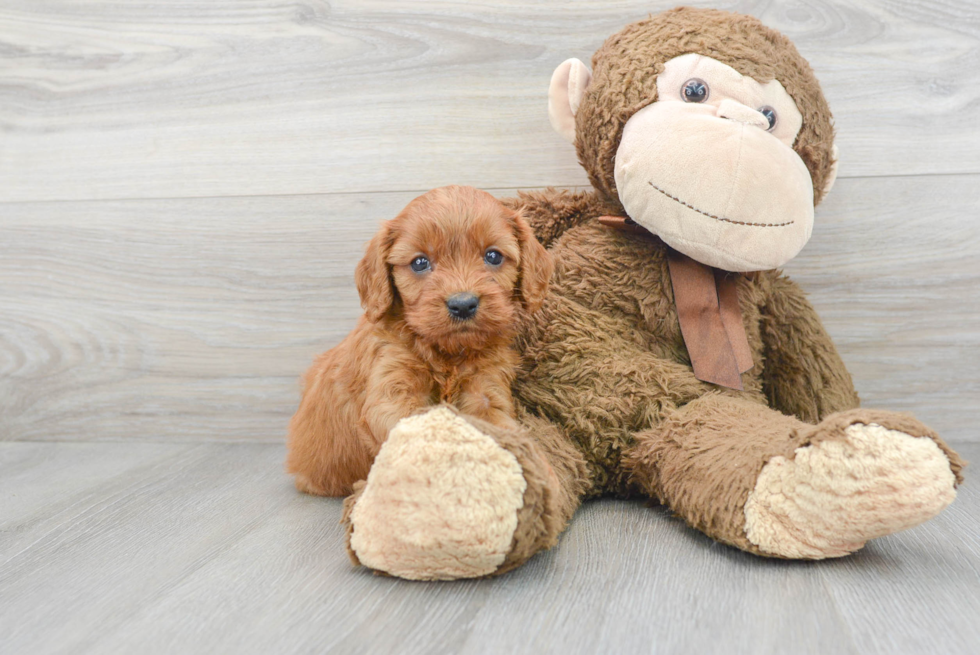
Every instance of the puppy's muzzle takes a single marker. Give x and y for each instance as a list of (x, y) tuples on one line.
[(462, 306)]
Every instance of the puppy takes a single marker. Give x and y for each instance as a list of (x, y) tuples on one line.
[(442, 285)]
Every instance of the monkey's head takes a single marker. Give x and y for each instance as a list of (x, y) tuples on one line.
[(709, 129)]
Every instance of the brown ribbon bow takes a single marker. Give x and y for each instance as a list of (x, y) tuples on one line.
[(707, 308)]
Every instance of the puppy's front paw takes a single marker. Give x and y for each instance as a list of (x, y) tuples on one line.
[(441, 501), (834, 495)]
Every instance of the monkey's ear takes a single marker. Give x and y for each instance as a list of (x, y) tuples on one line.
[(832, 177), (568, 85), (373, 275), (537, 266)]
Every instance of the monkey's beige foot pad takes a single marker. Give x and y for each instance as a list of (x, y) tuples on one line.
[(440, 503), (835, 495)]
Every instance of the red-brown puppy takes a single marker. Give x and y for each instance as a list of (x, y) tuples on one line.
[(442, 285)]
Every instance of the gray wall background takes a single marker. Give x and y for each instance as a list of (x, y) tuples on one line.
[(186, 188)]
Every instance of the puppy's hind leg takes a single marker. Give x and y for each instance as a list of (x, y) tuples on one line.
[(308, 486), (325, 455)]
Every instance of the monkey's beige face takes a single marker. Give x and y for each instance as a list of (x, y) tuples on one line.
[(710, 167)]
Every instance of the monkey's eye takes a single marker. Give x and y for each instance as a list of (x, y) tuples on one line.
[(770, 115), (694, 90), (421, 264), (493, 257)]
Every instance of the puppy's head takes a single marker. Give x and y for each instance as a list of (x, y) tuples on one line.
[(457, 264)]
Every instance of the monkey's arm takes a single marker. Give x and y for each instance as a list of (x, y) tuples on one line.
[(804, 375), (552, 211)]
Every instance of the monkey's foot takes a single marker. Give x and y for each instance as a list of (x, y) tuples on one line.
[(851, 483), (441, 501)]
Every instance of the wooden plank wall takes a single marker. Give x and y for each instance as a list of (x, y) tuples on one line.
[(185, 189)]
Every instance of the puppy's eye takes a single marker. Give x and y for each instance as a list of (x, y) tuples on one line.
[(694, 90), (493, 257), (420, 264)]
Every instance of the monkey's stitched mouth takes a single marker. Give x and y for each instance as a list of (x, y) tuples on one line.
[(718, 218)]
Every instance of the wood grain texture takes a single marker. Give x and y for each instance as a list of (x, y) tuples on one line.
[(193, 319), (135, 100), (207, 548)]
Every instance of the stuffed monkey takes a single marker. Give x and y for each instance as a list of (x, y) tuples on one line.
[(671, 359)]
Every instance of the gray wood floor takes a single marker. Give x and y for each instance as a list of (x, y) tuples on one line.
[(185, 189), (199, 548)]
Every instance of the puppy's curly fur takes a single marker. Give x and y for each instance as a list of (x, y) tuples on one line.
[(409, 351)]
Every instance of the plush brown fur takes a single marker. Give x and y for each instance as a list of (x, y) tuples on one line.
[(407, 352), (605, 362)]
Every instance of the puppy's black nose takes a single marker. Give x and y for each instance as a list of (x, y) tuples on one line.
[(462, 305)]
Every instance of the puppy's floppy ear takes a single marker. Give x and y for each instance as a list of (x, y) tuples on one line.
[(373, 275), (536, 265)]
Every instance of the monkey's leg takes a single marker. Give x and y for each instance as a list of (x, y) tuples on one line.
[(770, 484), (450, 497)]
